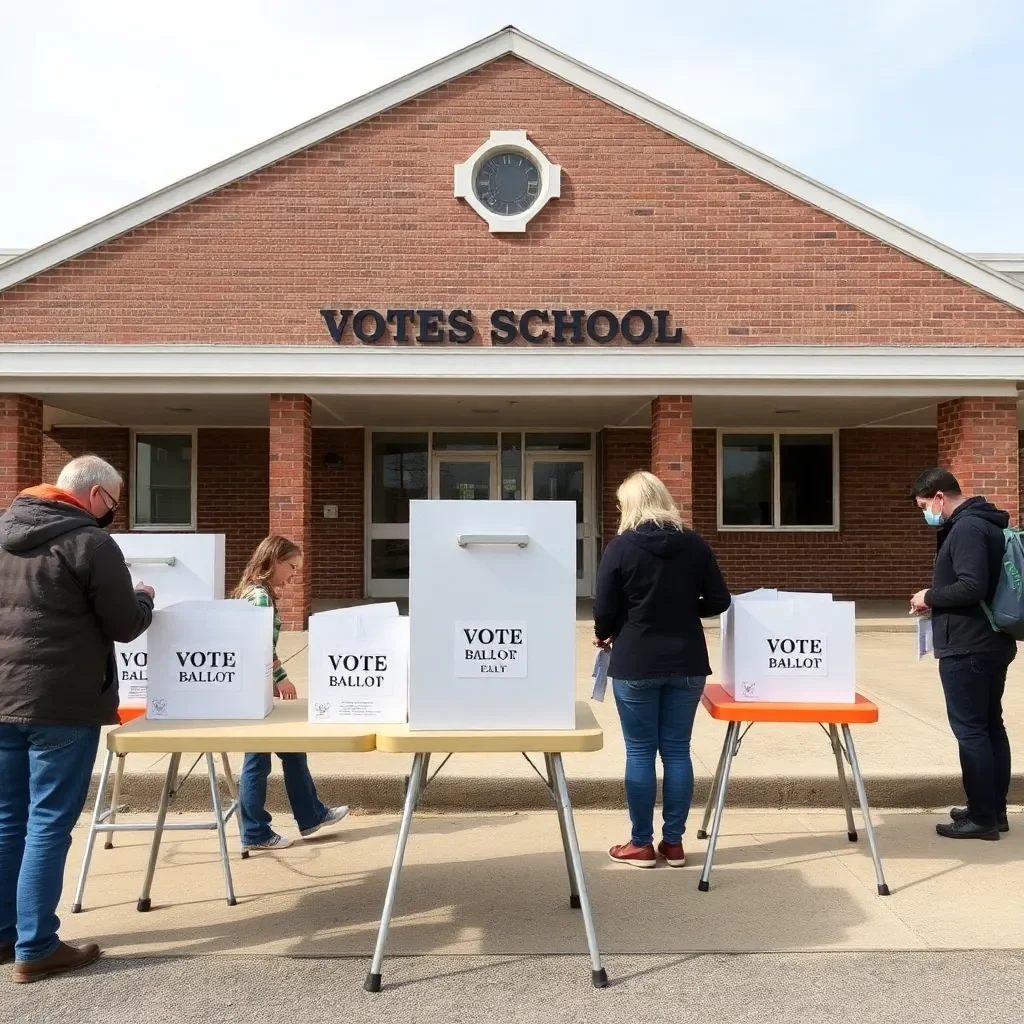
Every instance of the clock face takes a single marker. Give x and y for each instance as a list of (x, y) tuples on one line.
[(507, 183)]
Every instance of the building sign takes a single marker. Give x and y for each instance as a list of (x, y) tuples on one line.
[(506, 326), (490, 649)]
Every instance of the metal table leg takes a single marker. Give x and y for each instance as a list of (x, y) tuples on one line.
[(417, 779), (229, 779), (844, 786), (702, 832), (731, 743), (598, 975), (145, 902), (574, 891), (862, 796), (222, 838), (97, 817), (115, 800)]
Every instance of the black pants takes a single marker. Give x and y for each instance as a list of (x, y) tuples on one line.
[(973, 686)]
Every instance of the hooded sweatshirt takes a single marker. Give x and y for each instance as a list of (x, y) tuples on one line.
[(968, 563), (654, 585), (65, 596)]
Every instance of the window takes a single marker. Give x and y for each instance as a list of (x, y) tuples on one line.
[(778, 481), (163, 482), (399, 475)]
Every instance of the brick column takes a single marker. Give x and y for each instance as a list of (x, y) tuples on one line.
[(977, 443), (21, 445), (672, 448), (291, 495)]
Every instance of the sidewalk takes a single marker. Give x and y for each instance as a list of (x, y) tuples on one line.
[(909, 758), (496, 884)]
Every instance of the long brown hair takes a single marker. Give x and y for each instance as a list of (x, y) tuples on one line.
[(265, 559)]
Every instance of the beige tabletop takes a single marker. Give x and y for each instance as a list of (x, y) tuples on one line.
[(285, 730), (587, 736)]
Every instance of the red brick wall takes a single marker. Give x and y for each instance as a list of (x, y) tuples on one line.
[(233, 473), (21, 445), (883, 549), (62, 444), (358, 220), (978, 442), (672, 448), (291, 495), (338, 543), (622, 452)]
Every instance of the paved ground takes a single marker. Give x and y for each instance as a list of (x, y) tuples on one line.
[(909, 758), (908, 988), (496, 885)]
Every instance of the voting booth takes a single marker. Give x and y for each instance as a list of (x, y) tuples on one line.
[(795, 648), (359, 665), (179, 567), (211, 659), (492, 615)]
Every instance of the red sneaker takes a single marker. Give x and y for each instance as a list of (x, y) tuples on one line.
[(673, 854), (638, 856)]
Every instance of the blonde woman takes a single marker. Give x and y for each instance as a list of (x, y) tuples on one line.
[(656, 581), (270, 569)]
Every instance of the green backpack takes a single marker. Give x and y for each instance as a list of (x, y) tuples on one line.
[(1006, 609)]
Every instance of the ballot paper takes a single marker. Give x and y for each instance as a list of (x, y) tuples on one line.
[(600, 674), (924, 637)]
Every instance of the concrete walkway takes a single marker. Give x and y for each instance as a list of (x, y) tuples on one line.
[(496, 885), (909, 758)]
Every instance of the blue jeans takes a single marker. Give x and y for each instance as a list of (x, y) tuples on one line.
[(657, 717), (44, 780), (306, 806), (973, 687)]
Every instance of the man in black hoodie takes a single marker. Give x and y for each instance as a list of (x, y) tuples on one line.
[(973, 657), (65, 596)]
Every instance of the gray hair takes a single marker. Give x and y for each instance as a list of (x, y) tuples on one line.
[(81, 475)]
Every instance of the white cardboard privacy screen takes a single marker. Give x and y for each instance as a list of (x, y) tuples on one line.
[(492, 612), (197, 574), (211, 660), (778, 646), (359, 665)]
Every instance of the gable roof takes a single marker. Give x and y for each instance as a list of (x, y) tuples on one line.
[(510, 40)]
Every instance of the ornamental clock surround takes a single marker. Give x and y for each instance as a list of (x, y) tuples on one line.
[(507, 181)]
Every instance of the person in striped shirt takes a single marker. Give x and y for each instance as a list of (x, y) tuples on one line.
[(270, 568)]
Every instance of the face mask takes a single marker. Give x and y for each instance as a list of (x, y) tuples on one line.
[(933, 518), (106, 519)]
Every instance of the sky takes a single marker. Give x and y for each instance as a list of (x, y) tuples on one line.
[(913, 107)]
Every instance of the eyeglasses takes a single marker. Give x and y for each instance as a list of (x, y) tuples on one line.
[(109, 500)]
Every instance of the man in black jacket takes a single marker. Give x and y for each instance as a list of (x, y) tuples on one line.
[(65, 596), (973, 657)]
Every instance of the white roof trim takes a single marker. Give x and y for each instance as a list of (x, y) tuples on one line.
[(511, 40), (51, 369)]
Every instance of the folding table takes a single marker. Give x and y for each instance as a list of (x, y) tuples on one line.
[(285, 730), (724, 708), (585, 737)]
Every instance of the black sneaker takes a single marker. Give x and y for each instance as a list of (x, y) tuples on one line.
[(962, 814), (966, 829)]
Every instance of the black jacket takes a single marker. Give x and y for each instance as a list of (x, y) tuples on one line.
[(654, 585), (967, 568), (65, 596)]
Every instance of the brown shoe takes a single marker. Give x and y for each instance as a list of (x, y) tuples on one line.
[(7, 953), (637, 856), (673, 854), (64, 958)]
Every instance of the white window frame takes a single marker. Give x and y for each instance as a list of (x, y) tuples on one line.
[(137, 432), (776, 434)]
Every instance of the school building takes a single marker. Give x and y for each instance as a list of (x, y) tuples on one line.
[(509, 276)]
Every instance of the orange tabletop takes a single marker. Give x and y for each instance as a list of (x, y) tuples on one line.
[(126, 715), (721, 706)]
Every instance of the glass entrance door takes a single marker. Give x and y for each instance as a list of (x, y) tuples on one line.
[(568, 478), (465, 476)]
